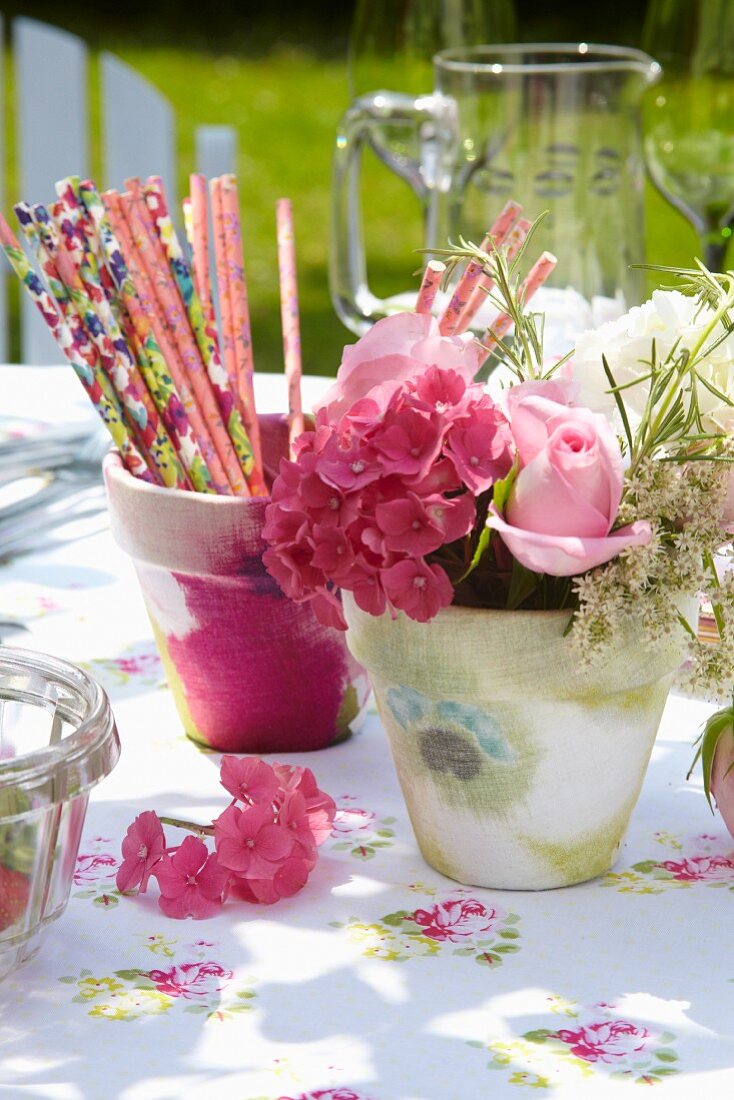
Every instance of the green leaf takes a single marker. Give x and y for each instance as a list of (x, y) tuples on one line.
[(720, 723), (68, 980), (619, 402), (666, 1056), (523, 583), (385, 832), (646, 867), (488, 958), (539, 1036), (509, 934), (389, 820), (512, 918), (667, 1070), (394, 920), (507, 948), (364, 851), (129, 975), (502, 488)]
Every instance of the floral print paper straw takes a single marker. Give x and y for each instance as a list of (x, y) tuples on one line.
[(91, 305), (171, 309), (197, 230), (429, 286), (93, 380), (156, 199), (537, 275), (289, 315), (150, 358), (449, 323), (240, 313), (229, 357), (206, 469)]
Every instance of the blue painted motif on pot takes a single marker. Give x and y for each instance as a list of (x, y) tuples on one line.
[(410, 708)]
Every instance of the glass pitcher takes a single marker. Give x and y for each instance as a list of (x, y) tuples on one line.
[(555, 126)]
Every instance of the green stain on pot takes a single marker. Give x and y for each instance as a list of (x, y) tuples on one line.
[(588, 856), (174, 683), (348, 711)]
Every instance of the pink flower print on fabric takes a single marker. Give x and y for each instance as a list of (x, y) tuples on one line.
[(191, 881), (142, 849), (455, 919), (91, 868), (353, 819), (140, 665), (701, 869), (190, 980), (606, 1041), (329, 1094)]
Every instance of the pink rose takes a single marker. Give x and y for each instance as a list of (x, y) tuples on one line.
[(566, 496), (395, 349), (701, 869)]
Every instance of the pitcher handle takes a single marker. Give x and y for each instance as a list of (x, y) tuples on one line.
[(431, 116)]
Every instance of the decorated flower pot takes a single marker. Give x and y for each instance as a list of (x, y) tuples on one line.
[(250, 671), (722, 778), (520, 767)]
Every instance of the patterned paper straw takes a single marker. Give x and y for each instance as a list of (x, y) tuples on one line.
[(513, 242), (240, 313), (537, 275), (198, 234), (229, 356), (41, 234), (449, 323), (86, 291), (429, 286), (183, 350), (289, 315), (156, 199), (155, 369), (93, 381)]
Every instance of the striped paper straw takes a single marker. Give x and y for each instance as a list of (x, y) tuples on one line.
[(502, 324), (513, 243), (449, 323), (86, 291), (289, 315), (429, 286), (156, 199), (240, 313), (103, 398), (117, 245), (173, 316)]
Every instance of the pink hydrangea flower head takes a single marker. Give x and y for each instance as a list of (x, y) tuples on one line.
[(248, 779), (293, 816), (192, 881), (320, 807), (479, 447), (409, 442), (289, 877), (143, 847), (250, 843)]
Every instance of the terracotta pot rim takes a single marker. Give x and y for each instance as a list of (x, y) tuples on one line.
[(114, 471)]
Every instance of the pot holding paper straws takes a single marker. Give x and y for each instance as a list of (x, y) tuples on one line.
[(188, 481)]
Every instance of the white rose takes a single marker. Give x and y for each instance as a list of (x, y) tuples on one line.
[(669, 318)]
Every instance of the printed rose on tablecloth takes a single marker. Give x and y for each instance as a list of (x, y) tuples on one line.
[(91, 868), (95, 873), (703, 860), (199, 985), (457, 925), (360, 831), (603, 1040), (138, 665)]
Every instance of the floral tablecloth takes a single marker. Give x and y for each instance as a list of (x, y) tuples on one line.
[(382, 980)]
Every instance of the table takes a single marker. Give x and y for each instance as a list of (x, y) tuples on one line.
[(581, 992)]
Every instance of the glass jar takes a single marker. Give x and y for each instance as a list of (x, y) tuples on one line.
[(58, 739)]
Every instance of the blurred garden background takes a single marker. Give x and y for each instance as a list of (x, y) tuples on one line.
[(277, 72)]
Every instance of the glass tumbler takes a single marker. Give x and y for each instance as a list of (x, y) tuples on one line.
[(57, 740)]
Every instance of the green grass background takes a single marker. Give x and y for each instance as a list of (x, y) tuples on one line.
[(285, 103)]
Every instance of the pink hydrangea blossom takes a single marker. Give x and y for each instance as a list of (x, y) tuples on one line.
[(289, 877), (320, 807), (143, 847), (248, 779), (249, 842), (192, 881), (455, 919), (607, 1041)]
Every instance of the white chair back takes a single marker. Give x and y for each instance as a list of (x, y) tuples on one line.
[(51, 124)]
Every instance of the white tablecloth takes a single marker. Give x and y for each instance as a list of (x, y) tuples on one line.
[(339, 993)]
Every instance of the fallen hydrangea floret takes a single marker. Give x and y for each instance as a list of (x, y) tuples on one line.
[(265, 842)]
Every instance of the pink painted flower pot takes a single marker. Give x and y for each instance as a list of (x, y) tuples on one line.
[(722, 778), (250, 670)]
